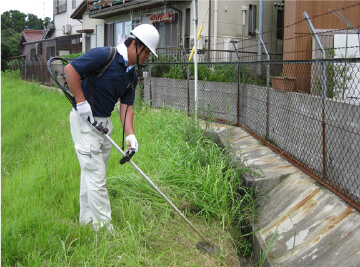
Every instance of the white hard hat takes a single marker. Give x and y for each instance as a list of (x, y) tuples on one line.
[(149, 35)]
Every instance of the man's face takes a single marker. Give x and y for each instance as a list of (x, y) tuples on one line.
[(144, 55)]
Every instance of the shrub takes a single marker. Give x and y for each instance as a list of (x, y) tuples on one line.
[(217, 73), (72, 56)]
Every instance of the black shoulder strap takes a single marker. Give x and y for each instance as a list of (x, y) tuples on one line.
[(107, 63), (100, 73)]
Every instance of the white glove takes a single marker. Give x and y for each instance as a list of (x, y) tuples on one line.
[(131, 142), (84, 110)]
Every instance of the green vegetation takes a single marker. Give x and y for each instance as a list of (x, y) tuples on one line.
[(13, 22), (72, 56), (216, 73), (173, 67), (40, 187), (337, 77)]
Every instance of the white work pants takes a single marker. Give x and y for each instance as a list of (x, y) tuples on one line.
[(93, 152)]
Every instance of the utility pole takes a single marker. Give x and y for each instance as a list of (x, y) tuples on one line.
[(261, 15), (195, 57), (209, 31)]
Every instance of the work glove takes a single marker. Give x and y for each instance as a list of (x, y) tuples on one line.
[(84, 110), (132, 148), (131, 143)]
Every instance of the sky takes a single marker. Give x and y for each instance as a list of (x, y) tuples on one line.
[(40, 8)]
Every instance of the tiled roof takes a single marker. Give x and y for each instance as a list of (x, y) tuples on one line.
[(32, 35)]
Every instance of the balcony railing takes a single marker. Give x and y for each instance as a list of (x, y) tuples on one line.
[(100, 4), (104, 8)]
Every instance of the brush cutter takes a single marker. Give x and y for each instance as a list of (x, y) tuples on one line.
[(205, 245)]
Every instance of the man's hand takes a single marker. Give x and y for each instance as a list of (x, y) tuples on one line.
[(84, 110), (131, 142)]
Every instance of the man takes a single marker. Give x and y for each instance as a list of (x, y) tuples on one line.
[(95, 100)]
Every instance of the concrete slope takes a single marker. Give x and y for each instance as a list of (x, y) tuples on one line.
[(301, 222)]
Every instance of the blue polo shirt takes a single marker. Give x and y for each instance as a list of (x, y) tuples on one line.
[(113, 85)]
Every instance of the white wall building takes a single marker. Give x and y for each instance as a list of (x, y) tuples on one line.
[(64, 25), (225, 23)]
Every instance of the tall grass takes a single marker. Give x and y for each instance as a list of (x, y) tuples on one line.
[(40, 187)]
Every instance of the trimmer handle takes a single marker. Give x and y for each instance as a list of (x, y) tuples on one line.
[(128, 155), (100, 127)]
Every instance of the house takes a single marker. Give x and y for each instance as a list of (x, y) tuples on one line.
[(58, 39), (28, 35), (326, 17), (67, 40), (64, 25), (227, 25)]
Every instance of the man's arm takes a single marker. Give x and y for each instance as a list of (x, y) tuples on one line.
[(129, 127), (74, 83)]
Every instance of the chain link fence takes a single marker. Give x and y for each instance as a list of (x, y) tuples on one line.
[(308, 109), (32, 70)]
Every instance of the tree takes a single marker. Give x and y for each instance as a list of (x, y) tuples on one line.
[(14, 19), (6, 20), (47, 22), (13, 22), (5, 53), (9, 46), (34, 23)]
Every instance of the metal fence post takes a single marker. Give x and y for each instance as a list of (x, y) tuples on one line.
[(187, 78), (23, 70), (324, 90), (238, 85), (150, 91), (267, 85), (188, 86)]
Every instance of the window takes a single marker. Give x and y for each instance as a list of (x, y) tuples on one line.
[(116, 33), (127, 28), (119, 36), (280, 24), (168, 32), (50, 52), (39, 48), (32, 53), (59, 6), (109, 34), (122, 31), (73, 4), (252, 20)]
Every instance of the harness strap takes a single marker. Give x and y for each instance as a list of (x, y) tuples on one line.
[(100, 73), (107, 63)]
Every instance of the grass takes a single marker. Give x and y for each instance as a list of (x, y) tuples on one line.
[(40, 187)]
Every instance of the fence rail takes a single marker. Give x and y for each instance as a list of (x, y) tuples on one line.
[(32, 70), (316, 122), (205, 55)]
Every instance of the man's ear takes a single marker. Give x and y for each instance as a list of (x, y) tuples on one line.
[(133, 44)]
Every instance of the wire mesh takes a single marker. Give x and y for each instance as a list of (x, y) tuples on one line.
[(313, 117)]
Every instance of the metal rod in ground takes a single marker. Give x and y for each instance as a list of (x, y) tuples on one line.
[(158, 190)]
